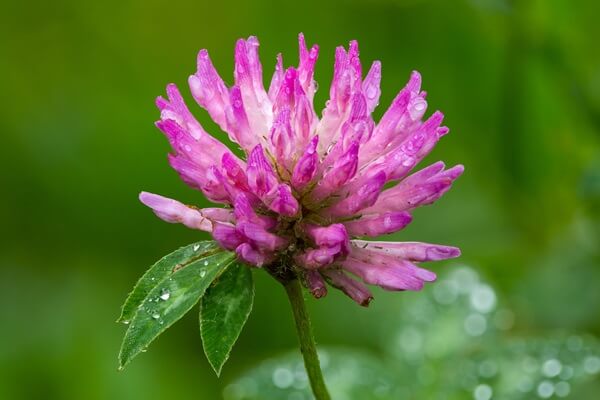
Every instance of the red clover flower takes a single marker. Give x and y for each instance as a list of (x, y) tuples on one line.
[(309, 190)]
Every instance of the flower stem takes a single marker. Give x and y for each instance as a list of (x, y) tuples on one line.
[(307, 341)]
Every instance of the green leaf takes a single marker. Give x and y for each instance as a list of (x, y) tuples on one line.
[(169, 301), (224, 310), (161, 271)]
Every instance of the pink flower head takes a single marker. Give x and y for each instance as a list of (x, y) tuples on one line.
[(308, 188)]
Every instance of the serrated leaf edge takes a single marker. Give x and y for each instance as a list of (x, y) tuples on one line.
[(158, 282), (122, 364)]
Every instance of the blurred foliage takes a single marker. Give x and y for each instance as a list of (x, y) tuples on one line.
[(449, 344), (518, 80)]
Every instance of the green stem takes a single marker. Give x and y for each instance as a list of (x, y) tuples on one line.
[(307, 341)]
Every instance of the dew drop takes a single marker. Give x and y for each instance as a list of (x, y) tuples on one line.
[(483, 298), (591, 365), (371, 92), (202, 273), (525, 384), (545, 389), (482, 392), (126, 322), (566, 373), (551, 368), (574, 343), (466, 279), (410, 340), (196, 247), (529, 365), (387, 222), (445, 292), (504, 319), (420, 106), (155, 315), (488, 369), (475, 325), (295, 396), (562, 389), (282, 378), (205, 263), (165, 294), (408, 162)]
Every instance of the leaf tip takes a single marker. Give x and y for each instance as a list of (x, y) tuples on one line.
[(216, 368)]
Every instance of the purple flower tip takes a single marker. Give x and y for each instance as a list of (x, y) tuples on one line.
[(310, 187)]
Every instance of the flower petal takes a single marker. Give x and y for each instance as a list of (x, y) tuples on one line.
[(306, 167), (172, 211), (411, 251), (352, 288), (378, 224), (315, 283)]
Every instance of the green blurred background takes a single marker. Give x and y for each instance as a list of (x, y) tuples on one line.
[(519, 82)]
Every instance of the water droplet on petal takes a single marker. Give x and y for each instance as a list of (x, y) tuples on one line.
[(408, 161), (371, 92), (488, 369)]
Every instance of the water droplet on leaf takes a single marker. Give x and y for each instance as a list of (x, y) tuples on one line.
[(165, 294)]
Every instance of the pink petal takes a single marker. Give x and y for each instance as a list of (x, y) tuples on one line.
[(173, 212), (306, 167), (315, 283), (378, 224), (411, 251), (353, 289)]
